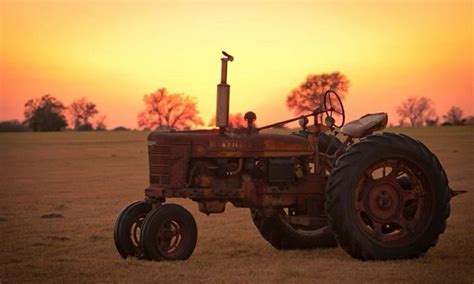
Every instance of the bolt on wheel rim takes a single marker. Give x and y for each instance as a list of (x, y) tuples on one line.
[(393, 202)]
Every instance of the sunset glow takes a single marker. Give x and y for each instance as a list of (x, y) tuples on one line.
[(115, 52)]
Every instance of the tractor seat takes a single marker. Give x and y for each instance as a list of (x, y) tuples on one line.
[(365, 125)]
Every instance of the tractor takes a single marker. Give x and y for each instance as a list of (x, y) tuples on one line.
[(379, 196)]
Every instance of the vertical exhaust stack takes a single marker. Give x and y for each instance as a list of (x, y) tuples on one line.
[(223, 95)]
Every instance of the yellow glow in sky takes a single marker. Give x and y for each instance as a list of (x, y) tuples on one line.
[(114, 52)]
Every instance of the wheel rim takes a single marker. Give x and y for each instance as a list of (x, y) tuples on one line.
[(135, 231), (171, 237), (309, 231), (393, 202)]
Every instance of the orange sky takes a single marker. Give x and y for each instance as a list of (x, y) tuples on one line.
[(114, 52)]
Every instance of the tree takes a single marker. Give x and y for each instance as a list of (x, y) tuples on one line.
[(432, 121), (469, 120), (81, 111), (454, 116), (417, 110), (169, 111), (235, 121), (100, 123), (13, 126), (45, 114), (308, 96), (401, 122)]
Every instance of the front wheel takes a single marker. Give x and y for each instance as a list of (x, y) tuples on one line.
[(387, 198), (127, 229), (169, 233)]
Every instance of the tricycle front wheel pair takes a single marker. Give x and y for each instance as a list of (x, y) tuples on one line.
[(168, 232)]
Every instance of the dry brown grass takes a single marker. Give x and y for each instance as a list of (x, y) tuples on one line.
[(89, 177)]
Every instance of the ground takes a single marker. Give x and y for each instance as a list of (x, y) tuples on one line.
[(61, 192)]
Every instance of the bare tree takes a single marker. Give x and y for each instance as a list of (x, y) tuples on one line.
[(81, 111), (100, 123), (417, 110), (308, 96), (454, 116), (169, 111)]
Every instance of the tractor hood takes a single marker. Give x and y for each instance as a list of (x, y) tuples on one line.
[(208, 143)]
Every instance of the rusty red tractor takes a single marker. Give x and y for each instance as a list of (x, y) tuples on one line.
[(378, 196)]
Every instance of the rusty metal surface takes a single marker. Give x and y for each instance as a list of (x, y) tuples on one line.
[(250, 194), (209, 144), (393, 202), (167, 164), (179, 163)]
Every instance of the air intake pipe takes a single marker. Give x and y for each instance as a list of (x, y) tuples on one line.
[(223, 95)]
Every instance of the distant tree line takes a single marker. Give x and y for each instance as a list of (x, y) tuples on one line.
[(165, 110), (47, 113), (419, 111), (13, 125)]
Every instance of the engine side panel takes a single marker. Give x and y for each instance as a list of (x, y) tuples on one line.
[(209, 144), (170, 152)]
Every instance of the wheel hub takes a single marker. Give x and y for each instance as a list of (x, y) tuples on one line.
[(383, 201), (167, 234)]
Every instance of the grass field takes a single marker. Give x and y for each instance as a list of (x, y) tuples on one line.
[(61, 192)]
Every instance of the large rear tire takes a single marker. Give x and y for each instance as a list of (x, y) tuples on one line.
[(387, 198), (274, 228)]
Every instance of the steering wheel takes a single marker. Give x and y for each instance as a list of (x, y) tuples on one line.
[(333, 104)]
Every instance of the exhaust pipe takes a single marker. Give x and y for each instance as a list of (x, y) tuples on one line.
[(223, 95)]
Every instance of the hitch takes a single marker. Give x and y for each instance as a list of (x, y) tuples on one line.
[(456, 192)]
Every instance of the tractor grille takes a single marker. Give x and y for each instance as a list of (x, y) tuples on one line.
[(160, 164)]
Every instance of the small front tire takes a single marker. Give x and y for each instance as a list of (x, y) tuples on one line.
[(127, 229), (169, 233)]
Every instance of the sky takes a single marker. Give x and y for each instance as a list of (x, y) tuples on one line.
[(115, 52)]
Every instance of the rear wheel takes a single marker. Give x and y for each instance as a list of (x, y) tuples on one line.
[(169, 233), (387, 198), (127, 229), (282, 235), (273, 224)]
